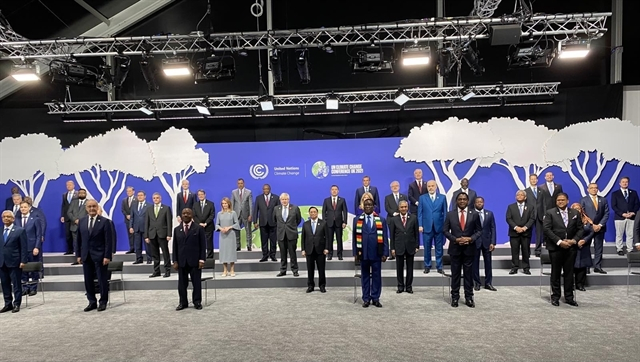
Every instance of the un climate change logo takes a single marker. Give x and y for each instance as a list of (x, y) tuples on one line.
[(320, 170), (259, 171)]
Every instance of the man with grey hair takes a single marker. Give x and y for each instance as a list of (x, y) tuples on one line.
[(9, 202), (520, 218), (125, 208), (392, 203), (15, 208), (157, 234), (287, 217)]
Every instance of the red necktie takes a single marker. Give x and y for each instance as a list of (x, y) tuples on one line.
[(266, 199), (185, 197), (334, 204), (462, 220), (186, 229), (404, 221)]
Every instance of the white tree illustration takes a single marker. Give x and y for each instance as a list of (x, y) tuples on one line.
[(115, 154), (523, 144), (601, 142), (29, 161), (176, 158), (447, 143)]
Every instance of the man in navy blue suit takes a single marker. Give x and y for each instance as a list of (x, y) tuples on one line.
[(371, 247), (432, 209), (136, 226), (462, 227), (8, 204), (417, 188), (484, 245), (597, 209), (625, 204), (189, 254), (95, 249), (33, 227), (366, 187), (13, 257)]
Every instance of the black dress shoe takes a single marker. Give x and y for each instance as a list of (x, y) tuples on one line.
[(538, 255), (340, 258), (476, 287), (329, 257), (490, 287), (75, 263), (148, 261), (180, 307), (555, 303), (248, 249), (238, 248), (295, 274), (392, 258), (137, 262), (274, 259), (410, 290), (281, 274), (598, 270), (154, 275), (166, 274), (513, 271), (377, 304), (581, 289), (6, 308), (323, 289), (427, 270), (400, 290), (454, 303), (588, 270), (91, 307), (527, 272), (197, 306), (440, 271), (69, 253), (264, 259), (470, 303), (572, 303), (309, 289), (102, 307), (366, 304), (130, 252), (621, 253), (16, 309), (32, 293)]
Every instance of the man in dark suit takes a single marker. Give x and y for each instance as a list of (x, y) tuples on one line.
[(37, 213), (534, 202), (563, 229), (158, 227), (597, 209), (432, 210), (8, 204), (315, 246), (417, 188), (636, 232), (520, 218), (13, 257), (125, 209), (185, 199), (371, 248), (334, 213), (550, 191), (95, 250), (204, 211), (68, 199), (464, 188), (137, 226), (16, 199), (33, 227), (405, 243), (625, 205), (484, 245), (366, 187), (189, 252), (263, 218), (77, 210), (392, 201), (287, 218), (462, 227)]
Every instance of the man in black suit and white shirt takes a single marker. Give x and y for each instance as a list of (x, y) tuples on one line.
[(67, 199), (13, 257), (263, 218), (563, 229), (334, 212), (392, 201), (125, 208), (520, 218), (464, 188), (203, 213), (185, 199), (287, 218), (158, 230), (405, 243), (550, 190), (315, 247), (366, 187), (417, 188), (534, 202), (189, 251), (76, 211)]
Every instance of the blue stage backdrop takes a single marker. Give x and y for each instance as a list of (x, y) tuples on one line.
[(304, 169)]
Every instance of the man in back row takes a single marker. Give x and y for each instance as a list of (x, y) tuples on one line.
[(334, 212), (242, 202)]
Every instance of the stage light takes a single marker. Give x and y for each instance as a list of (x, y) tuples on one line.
[(416, 55), (146, 107), (276, 67), (25, 73), (573, 49), (173, 67), (372, 60), (203, 110), (444, 62), (467, 93), (149, 72), (532, 55), (303, 66), (71, 73), (471, 57), (266, 103), (332, 102), (215, 68), (121, 71), (401, 98)]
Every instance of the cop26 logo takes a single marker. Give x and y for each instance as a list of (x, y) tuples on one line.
[(259, 171)]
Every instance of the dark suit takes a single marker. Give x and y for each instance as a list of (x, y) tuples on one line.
[(204, 215), (621, 205), (470, 193), (182, 204), (371, 256), (95, 245), (414, 195), (263, 216), (77, 210), (562, 260), (487, 238), (287, 235), (534, 202), (314, 245), (67, 222), (13, 252), (33, 227), (520, 241), (376, 198), (404, 239), (188, 250), (462, 255), (125, 209), (598, 216), (391, 206), (334, 219), (137, 223), (8, 204), (157, 230)]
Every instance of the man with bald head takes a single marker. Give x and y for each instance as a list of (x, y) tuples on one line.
[(417, 188), (432, 208), (520, 218)]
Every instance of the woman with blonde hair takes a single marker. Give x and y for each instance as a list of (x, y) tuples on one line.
[(227, 225), (367, 196), (583, 259)]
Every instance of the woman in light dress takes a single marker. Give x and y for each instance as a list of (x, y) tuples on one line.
[(227, 225), (367, 196)]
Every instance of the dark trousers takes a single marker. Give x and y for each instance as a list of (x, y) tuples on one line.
[(132, 246), (288, 246), (488, 272), (371, 274), (562, 261), (539, 236), (462, 263), (34, 276), (74, 235), (580, 277), (337, 231), (598, 247), (68, 235), (208, 237), (268, 241), (314, 259), (520, 243), (243, 222), (186, 273), (138, 238), (155, 245), (95, 270), (10, 278), (400, 263)]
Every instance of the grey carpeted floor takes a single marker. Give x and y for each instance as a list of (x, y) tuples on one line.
[(513, 324)]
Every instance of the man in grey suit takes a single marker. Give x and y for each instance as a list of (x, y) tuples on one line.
[(77, 210), (464, 187), (287, 218), (597, 209), (242, 202), (125, 208), (157, 234)]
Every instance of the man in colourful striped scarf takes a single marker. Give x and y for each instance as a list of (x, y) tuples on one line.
[(371, 247)]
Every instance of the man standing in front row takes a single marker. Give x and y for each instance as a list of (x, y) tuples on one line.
[(189, 252), (334, 213), (157, 234), (287, 217), (597, 209), (13, 257), (405, 243), (371, 247), (432, 209), (242, 202), (95, 250), (315, 246), (520, 218), (484, 245), (263, 219)]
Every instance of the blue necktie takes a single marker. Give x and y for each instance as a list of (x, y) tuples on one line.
[(5, 234), (313, 227), (535, 192), (626, 195), (69, 196), (369, 222), (520, 206)]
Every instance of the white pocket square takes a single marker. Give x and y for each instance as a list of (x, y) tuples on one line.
[(575, 216)]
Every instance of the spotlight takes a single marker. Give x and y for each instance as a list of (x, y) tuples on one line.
[(59, 106), (327, 48), (71, 73), (177, 66), (25, 73), (416, 55), (532, 55), (146, 107), (122, 64), (471, 57), (332, 102), (574, 48), (303, 66), (401, 98), (215, 68), (372, 60), (266, 103), (203, 107), (444, 62), (466, 93), (149, 72), (276, 68)]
